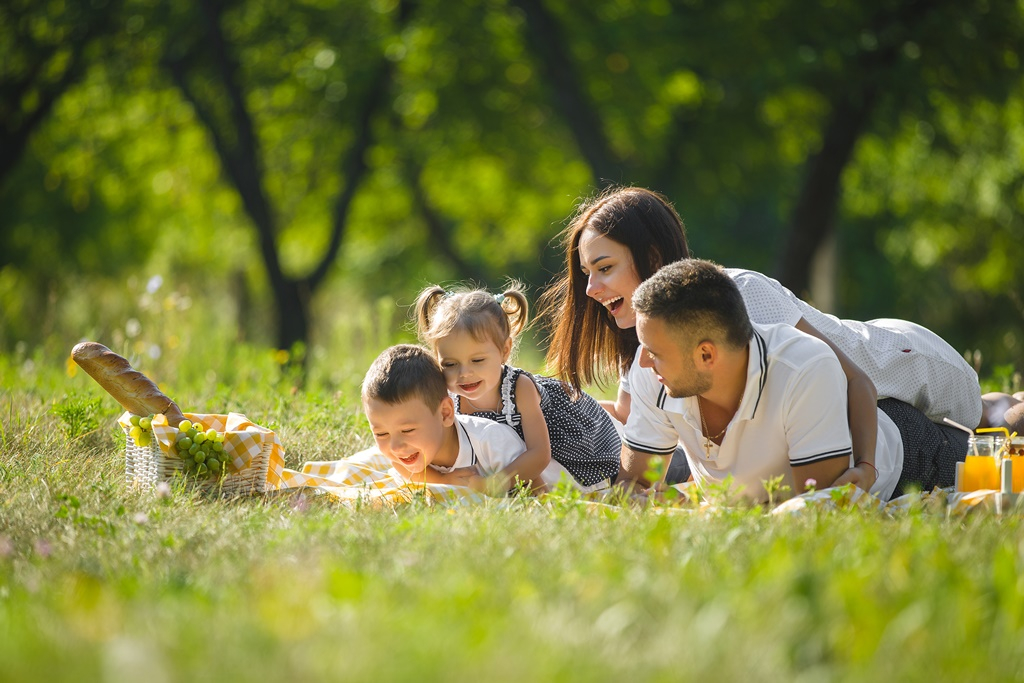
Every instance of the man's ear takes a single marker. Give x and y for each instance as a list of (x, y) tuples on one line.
[(447, 409), (705, 355)]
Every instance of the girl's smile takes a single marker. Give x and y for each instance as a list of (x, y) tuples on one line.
[(472, 368)]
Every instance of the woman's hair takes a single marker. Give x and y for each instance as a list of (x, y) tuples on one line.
[(483, 315), (586, 344)]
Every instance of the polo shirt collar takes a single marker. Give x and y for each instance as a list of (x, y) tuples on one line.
[(757, 376)]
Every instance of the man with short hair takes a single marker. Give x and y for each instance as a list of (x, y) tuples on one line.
[(753, 402)]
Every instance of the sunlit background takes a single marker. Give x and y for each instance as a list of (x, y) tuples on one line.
[(178, 177)]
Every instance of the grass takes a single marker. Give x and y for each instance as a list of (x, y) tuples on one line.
[(100, 582)]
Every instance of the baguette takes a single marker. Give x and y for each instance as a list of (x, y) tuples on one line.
[(133, 390)]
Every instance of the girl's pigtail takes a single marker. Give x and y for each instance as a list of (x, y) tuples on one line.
[(426, 305), (514, 304)]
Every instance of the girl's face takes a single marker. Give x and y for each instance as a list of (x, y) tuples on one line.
[(611, 275), (472, 368)]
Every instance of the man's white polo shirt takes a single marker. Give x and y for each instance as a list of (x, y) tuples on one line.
[(793, 413)]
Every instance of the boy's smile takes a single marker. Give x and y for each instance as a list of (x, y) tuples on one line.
[(413, 436)]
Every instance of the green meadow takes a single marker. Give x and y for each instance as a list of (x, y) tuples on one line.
[(103, 582), (244, 197)]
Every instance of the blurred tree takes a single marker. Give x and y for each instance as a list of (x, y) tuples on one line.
[(719, 80), (43, 51), (204, 65), (328, 149)]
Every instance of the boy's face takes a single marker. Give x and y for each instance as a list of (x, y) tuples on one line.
[(409, 433)]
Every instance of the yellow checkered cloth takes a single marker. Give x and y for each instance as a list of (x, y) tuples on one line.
[(367, 478)]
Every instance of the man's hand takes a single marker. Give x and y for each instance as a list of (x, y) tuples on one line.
[(862, 476)]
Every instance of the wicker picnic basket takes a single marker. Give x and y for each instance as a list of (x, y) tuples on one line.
[(250, 448)]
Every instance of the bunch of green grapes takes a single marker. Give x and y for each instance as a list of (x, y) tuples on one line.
[(142, 430), (201, 449)]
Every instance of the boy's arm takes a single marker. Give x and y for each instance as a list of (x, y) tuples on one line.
[(431, 476)]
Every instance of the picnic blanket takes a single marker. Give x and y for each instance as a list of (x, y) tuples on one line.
[(367, 479)]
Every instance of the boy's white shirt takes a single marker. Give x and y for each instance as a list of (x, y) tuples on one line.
[(491, 447)]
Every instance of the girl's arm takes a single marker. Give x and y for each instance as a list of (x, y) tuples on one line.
[(619, 408), (862, 413), (529, 465)]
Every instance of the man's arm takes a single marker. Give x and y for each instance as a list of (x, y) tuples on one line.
[(824, 473), (862, 415), (819, 439), (634, 466)]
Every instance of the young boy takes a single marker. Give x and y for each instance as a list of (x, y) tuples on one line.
[(414, 423)]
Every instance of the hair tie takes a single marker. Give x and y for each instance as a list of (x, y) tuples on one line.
[(499, 298)]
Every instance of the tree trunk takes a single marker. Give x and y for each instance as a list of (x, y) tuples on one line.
[(238, 148), (549, 44), (815, 210)]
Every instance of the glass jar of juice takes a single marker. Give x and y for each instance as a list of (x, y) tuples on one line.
[(1014, 453), (981, 466)]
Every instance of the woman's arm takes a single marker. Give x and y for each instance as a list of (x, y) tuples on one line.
[(619, 408), (862, 413), (529, 464)]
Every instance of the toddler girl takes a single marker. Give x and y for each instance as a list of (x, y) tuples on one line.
[(473, 334)]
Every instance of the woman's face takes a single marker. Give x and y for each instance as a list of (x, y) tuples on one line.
[(611, 275)]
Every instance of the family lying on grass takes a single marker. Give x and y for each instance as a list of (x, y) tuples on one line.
[(724, 371)]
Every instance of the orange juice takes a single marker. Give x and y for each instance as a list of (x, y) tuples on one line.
[(1018, 473), (981, 472)]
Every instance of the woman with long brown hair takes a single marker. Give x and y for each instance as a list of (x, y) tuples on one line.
[(621, 237)]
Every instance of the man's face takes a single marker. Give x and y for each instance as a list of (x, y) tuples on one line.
[(674, 365)]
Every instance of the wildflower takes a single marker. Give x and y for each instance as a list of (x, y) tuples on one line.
[(163, 490), (141, 518), (810, 484), (300, 503), (42, 547)]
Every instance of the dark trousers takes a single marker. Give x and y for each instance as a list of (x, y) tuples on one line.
[(930, 450)]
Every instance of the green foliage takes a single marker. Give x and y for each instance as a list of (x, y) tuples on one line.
[(79, 415), (475, 158), (776, 490)]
